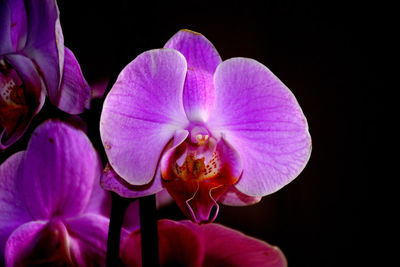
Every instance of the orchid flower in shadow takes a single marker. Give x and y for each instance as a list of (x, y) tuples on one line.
[(205, 129), (34, 63), (187, 244), (51, 201)]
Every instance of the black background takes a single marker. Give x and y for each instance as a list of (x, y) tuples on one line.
[(320, 51)]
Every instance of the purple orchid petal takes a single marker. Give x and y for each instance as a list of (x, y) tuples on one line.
[(234, 197), (142, 112), (228, 247), (5, 28), (202, 60), (263, 121), (12, 206), (23, 102), (111, 181), (100, 199), (75, 91), (45, 43), (19, 244), (60, 168), (88, 239), (19, 27)]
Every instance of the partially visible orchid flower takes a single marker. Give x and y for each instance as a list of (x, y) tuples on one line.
[(34, 63), (187, 244), (51, 201), (204, 129)]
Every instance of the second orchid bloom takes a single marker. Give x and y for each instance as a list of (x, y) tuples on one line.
[(207, 130)]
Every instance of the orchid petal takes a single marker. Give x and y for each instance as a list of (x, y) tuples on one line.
[(18, 119), (111, 181), (60, 168), (100, 199), (88, 239), (142, 112), (234, 197), (228, 247), (202, 60), (19, 27), (75, 91), (45, 43), (263, 121), (178, 245), (12, 206), (19, 244), (5, 28)]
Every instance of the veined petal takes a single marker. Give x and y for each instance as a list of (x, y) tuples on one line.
[(202, 60), (59, 170), (88, 239), (17, 115), (228, 247), (263, 121), (12, 206), (21, 243), (45, 43), (142, 112), (75, 91)]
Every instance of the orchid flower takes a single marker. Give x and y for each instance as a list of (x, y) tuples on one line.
[(34, 63), (50, 201), (205, 129), (187, 244)]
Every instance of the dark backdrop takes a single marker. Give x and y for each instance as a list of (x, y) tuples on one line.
[(317, 50)]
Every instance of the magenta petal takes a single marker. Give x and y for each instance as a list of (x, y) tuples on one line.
[(142, 112), (19, 25), (12, 206), (179, 245), (234, 197), (227, 247), (88, 239), (264, 123), (5, 27), (111, 181), (60, 168), (20, 242), (202, 60), (74, 91), (45, 43)]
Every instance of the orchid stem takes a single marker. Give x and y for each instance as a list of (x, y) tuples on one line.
[(118, 208), (149, 231)]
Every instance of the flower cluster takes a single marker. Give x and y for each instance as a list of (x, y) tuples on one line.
[(177, 121)]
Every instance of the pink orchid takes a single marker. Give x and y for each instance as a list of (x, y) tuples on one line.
[(205, 129), (188, 244), (34, 63), (51, 201)]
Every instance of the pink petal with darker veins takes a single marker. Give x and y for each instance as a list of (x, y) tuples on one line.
[(45, 43), (12, 205), (262, 120), (75, 92), (142, 112), (202, 60), (59, 171)]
